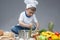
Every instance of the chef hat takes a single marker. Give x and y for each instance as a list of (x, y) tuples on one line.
[(31, 3)]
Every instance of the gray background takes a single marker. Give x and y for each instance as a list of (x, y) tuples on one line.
[(47, 10)]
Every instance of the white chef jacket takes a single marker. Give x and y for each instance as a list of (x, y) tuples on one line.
[(26, 19)]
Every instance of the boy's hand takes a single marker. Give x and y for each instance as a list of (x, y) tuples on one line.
[(30, 25)]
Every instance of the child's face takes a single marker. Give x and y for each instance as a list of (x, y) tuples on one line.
[(30, 12)]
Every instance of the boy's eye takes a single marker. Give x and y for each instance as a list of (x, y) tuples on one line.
[(31, 12)]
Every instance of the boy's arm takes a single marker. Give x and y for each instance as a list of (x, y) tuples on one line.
[(22, 24), (25, 25), (37, 26), (36, 22)]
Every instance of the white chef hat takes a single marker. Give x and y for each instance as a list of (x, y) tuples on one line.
[(31, 3)]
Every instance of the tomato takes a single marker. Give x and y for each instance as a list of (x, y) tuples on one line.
[(57, 33)]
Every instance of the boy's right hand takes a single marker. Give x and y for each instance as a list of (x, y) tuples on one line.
[(30, 25)]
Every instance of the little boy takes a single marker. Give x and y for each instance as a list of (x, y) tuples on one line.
[(27, 18)]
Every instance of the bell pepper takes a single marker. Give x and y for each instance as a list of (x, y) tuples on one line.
[(55, 37), (59, 37)]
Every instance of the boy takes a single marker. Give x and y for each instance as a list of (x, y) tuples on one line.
[(27, 18)]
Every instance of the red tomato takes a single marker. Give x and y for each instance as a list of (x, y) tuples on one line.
[(57, 33)]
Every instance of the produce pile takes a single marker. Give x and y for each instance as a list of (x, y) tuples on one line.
[(47, 35)]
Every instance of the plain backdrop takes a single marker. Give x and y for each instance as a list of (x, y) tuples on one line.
[(47, 10)]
